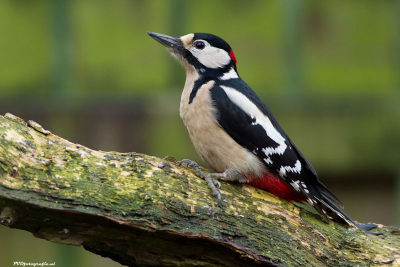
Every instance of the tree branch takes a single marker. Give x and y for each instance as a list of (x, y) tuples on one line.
[(142, 210)]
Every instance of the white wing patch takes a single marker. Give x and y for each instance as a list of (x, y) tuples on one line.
[(231, 74), (300, 186), (260, 119)]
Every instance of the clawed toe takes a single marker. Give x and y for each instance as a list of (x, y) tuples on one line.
[(218, 196), (217, 183), (193, 165), (189, 162), (212, 183)]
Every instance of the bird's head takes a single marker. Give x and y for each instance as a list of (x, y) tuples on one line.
[(202, 52)]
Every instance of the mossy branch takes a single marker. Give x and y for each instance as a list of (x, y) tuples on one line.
[(142, 210)]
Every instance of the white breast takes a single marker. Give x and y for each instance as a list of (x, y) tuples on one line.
[(212, 143)]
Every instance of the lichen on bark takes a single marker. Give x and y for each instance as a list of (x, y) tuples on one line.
[(142, 210)]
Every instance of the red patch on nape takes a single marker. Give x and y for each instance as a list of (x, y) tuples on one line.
[(232, 55), (275, 185)]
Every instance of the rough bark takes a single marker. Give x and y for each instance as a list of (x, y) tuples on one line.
[(142, 210)]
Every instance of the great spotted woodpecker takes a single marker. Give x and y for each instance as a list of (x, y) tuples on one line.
[(236, 134)]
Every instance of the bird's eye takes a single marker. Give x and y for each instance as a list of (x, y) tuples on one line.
[(199, 45)]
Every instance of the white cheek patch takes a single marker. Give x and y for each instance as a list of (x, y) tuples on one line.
[(211, 57)]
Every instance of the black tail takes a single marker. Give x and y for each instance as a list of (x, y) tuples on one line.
[(334, 211), (329, 195)]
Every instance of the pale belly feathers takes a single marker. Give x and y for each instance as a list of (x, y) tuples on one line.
[(210, 140)]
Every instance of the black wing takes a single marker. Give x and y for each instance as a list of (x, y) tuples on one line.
[(245, 130)]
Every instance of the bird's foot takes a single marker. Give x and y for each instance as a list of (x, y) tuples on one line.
[(209, 177)]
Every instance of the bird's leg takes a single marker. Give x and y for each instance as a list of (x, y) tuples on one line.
[(233, 176), (209, 177), (229, 175)]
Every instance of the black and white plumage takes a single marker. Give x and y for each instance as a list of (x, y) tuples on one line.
[(235, 133)]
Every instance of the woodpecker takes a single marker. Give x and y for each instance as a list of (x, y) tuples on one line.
[(235, 133)]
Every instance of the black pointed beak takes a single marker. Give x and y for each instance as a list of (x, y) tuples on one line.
[(168, 41)]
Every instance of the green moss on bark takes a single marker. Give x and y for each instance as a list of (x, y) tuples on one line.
[(139, 209)]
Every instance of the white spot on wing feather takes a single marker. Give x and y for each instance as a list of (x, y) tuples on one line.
[(268, 160), (296, 169), (295, 186)]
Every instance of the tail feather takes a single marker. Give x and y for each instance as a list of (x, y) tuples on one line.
[(330, 206), (329, 195)]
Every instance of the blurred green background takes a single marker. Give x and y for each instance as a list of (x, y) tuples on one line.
[(329, 71)]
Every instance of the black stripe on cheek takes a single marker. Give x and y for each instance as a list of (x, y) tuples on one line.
[(196, 87)]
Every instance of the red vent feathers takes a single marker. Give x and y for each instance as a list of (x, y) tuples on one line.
[(272, 183), (232, 55)]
